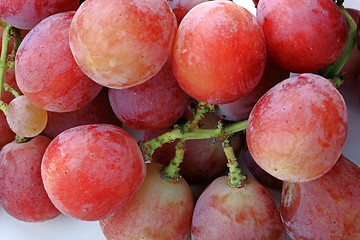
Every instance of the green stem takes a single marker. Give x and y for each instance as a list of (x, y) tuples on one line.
[(335, 68), (4, 54), (171, 172), (202, 109), (8, 88), (150, 146), (236, 178), (3, 107)]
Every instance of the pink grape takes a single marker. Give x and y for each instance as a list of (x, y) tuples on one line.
[(156, 104), (213, 55), (182, 7), (123, 43), (326, 208), (224, 212), (46, 71), (97, 111), (297, 130), (22, 192), (159, 210), (302, 36), (25, 14), (91, 171)]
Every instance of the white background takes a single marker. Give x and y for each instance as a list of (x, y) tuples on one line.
[(64, 228)]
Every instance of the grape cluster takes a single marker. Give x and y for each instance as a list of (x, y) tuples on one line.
[(114, 111)]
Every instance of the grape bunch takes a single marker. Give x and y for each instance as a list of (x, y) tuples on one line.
[(139, 116)]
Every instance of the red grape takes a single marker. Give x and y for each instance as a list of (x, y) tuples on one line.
[(122, 43), (326, 208), (97, 111), (297, 130), (25, 14), (240, 109), (46, 71), (302, 36), (156, 104), (22, 192), (159, 210), (224, 212), (91, 171), (213, 54)]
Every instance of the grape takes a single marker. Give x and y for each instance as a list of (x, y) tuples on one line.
[(213, 55), (25, 118), (326, 208), (140, 219), (22, 192), (240, 109), (302, 36), (262, 176), (46, 71), (156, 104), (91, 171), (182, 7), (297, 130), (25, 14), (97, 111), (204, 160), (123, 43), (224, 212)]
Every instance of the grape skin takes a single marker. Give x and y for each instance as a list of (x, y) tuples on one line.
[(133, 46), (22, 193), (25, 118), (159, 210), (46, 71), (91, 171), (224, 212), (213, 54), (302, 36), (297, 130), (156, 104), (326, 208), (25, 14)]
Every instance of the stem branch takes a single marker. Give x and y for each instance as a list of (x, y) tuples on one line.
[(4, 53), (236, 178), (335, 68)]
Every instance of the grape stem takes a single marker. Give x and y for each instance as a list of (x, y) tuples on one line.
[(4, 54), (3, 107), (171, 172), (8, 88), (334, 69), (150, 146), (236, 178)]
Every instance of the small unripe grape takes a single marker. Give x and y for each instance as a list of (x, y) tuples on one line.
[(25, 118)]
